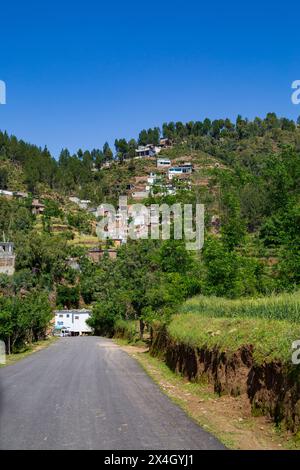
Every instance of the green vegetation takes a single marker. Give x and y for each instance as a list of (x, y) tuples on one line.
[(127, 330), (274, 307), (269, 324), (247, 174), (24, 320), (270, 339)]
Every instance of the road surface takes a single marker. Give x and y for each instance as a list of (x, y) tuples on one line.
[(86, 393)]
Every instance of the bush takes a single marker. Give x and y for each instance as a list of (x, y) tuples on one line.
[(127, 329)]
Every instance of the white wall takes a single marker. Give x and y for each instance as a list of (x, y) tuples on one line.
[(73, 321)]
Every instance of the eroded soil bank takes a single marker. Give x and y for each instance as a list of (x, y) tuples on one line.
[(273, 388)]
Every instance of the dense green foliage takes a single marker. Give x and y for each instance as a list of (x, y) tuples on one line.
[(24, 319)]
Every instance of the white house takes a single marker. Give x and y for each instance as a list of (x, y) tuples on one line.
[(82, 203), (140, 194), (7, 258), (163, 162), (184, 169), (5, 193), (73, 321)]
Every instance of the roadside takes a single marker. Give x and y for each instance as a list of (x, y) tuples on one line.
[(228, 418), (30, 349)]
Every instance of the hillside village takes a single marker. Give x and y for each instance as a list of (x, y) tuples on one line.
[(162, 177)]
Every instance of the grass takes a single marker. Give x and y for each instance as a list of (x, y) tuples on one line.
[(269, 324), (274, 307), (128, 331), (271, 339), (30, 349)]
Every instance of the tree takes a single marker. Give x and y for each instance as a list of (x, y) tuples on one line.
[(107, 152)]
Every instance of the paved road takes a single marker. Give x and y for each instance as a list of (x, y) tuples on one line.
[(86, 393)]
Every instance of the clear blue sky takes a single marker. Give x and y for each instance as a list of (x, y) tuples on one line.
[(80, 73)]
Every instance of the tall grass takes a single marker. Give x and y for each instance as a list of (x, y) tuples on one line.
[(275, 307)]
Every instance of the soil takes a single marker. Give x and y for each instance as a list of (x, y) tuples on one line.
[(227, 417), (272, 389)]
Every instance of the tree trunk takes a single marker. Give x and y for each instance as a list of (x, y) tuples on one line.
[(142, 327)]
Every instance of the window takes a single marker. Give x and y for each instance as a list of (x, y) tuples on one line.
[(76, 317), (68, 316), (61, 316)]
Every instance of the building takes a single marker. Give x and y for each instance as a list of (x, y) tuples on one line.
[(140, 194), (73, 321), (73, 263), (181, 170), (21, 194), (74, 199), (37, 207), (163, 162), (165, 142), (82, 203), (147, 151), (144, 151), (96, 254), (7, 258), (152, 178), (6, 194)]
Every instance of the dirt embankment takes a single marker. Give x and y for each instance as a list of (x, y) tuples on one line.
[(272, 388)]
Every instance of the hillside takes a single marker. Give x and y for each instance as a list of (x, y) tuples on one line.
[(245, 173)]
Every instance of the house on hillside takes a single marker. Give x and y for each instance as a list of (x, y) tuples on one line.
[(73, 322), (140, 194), (96, 254), (74, 199), (181, 170), (147, 151), (82, 203), (144, 151), (163, 162), (6, 194), (165, 143), (21, 194), (152, 178), (7, 258), (37, 207)]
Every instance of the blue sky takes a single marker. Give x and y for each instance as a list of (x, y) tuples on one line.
[(81, 73)]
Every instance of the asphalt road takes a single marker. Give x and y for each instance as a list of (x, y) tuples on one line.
[(86, 393)]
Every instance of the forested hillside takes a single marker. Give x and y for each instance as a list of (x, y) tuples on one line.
[(247, 175)]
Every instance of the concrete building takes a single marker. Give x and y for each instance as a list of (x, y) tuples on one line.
[(7, 258), (140, 194), (21, 194), (37, 207), (144, 151), (6, 194), (96, 254), (147, 151), (163, 162), (73, 322), (181, 170), (82, 203), (165, 142)]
